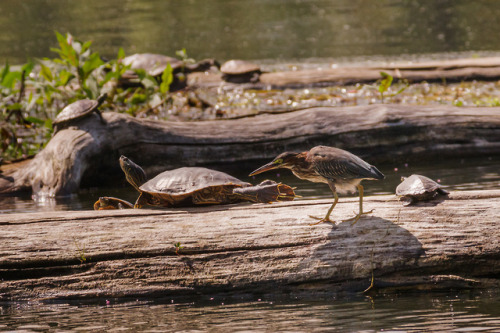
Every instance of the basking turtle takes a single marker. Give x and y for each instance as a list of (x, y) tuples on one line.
[(155, 64), (105, 203), (78, 110), (240, 71), (196, 186), (418, 188)]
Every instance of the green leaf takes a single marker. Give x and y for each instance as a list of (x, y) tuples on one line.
[(121, 53), (5, 70), (35, 120), (166, 79), (14, 106), (385, 83), (64, 77), (46, 73), (138, 98), (93, 62), (86, 46), (28, 67), (10, 79)]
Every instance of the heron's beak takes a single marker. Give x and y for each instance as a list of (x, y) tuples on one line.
[(265, 167)]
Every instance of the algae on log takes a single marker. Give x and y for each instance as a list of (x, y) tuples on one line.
[(260, 248), (89, 153)]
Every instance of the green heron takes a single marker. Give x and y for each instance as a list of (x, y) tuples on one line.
[(340, 169)]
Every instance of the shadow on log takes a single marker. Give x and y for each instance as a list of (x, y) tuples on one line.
[(87, 153), (254, 248)]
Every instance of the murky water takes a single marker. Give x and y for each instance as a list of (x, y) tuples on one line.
[(277, 30), (437, 312), (460, 174)]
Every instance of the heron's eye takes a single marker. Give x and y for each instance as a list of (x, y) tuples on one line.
[(278, 161)]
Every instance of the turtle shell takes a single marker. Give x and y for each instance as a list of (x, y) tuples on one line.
[(172, 187), (418, 186), (239, 67), (153, 64), (78, 109)]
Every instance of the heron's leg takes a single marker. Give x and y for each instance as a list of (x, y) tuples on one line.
[(358, 216), (327, 216)]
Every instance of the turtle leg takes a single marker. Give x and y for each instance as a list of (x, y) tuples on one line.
[(327, 216), (360, 213), (141, 201)]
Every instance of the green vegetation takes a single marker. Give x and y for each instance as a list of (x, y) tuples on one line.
[(178, 247), (33, 94)]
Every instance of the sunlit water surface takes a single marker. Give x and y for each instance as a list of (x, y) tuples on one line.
[(435, 312)]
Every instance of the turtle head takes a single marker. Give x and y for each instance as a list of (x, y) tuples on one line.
[(134, 174)]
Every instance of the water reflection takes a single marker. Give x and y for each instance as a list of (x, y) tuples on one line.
[(450, 312), (278, 30), (462, 174)]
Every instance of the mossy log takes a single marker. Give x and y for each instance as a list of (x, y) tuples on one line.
[(252, 248), (438, 70), (87, 154)]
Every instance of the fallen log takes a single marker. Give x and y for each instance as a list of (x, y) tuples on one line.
[(256, 248), (437, 70), (86, 154)]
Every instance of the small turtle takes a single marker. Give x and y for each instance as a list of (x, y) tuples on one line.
[(78, 110), (418, 188), (240, 71), (198, 186), (155, 64), (105, 203)]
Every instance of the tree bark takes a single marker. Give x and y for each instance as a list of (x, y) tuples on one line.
[(449, 243), (87, 153)]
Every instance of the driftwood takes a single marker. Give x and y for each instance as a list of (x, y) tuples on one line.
[(451, 243), (448, 70), (87, 154)]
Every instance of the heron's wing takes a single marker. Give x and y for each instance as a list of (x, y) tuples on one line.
[(351, 167)]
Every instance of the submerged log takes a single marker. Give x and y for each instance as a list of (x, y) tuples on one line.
[(87, 154), (259, 248), (448, 70)]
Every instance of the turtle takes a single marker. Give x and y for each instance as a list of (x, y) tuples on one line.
[(240, 71), (154, 64), (105, 203), (190, 186), (418, 188), (78, 110)]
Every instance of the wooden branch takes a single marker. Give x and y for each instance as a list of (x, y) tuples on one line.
[(452, 243), (88, 153), (439, 70)]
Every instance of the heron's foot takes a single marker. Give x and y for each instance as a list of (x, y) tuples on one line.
[(357, 217), (320, 220)]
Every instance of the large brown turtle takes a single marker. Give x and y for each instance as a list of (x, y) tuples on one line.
[(418, 188), (190, 186)]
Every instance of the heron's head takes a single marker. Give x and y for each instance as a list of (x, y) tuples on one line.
[(283, 160), (134, 174)]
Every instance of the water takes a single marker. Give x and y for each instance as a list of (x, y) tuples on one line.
[(460, 174), (437, 312), (278, 30)]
